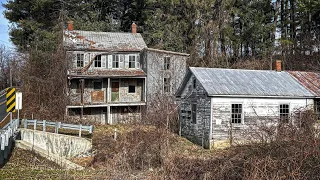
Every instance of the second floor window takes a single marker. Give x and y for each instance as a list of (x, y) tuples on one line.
[(132, 61), (115, 61), (166, 65), (80, 58), (97, 61)]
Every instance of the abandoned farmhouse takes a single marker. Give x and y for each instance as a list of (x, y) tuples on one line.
[(114, 76), (218, 103)]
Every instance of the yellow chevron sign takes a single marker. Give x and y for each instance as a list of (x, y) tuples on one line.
[(11, 99)]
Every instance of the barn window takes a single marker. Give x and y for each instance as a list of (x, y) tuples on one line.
[(194, 113), (97, 61), (166, 85), (194, 83), (132, 89), (284, 113), (236, 113), (132, 61), (166, 65), (80, 58), (115, 61)]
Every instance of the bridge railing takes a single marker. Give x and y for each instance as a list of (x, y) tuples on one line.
[(6, 139), (57, 126)]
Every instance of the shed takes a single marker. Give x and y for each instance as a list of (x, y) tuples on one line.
[(222, 104)]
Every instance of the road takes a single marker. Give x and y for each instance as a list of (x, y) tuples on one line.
[(3, 107)]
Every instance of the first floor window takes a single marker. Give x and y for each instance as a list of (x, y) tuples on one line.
[(80, 58), (132, 61), (194, 113), (166, 85), (236, 113), (132, 89), (115, 61), (97, 61), (284, 113)]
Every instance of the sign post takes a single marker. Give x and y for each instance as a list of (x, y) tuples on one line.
[(19, 102)]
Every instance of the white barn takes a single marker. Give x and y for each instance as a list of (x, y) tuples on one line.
[(217, 103)]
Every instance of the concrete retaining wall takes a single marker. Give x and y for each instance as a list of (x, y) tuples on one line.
[(58, 144)]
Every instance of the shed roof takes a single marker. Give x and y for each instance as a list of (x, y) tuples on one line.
[(105, 41), (109, 73), (310, 80), (240, 82)]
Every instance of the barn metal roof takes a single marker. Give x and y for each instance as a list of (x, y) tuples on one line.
[(105, 41), (310, 80), (240, 82)]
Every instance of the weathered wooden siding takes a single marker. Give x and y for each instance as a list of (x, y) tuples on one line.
[(256, 111), (198, 132), (125, 114), (153, 65)]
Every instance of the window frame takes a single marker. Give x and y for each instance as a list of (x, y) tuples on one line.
[(166, 63), (96, 89), (80, 60), (115, 61), (194, 113), (234, 115), (166, 85), (284, 116), (132, 61), (97, 61)]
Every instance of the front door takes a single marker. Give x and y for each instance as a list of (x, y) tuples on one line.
[(115, 91)]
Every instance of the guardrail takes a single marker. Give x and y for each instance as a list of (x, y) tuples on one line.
[(7, 134), (57, 126)]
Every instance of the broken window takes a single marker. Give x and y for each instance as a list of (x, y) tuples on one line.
[(132, 61), (236, 113), (166, 85), (194, 83), (194, 113), (80, 58), (97, 61), (132, 89), (115, 61), (317, 108), (284, 113), (166, 65)]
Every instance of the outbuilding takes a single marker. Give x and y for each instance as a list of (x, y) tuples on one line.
[(219, 104)]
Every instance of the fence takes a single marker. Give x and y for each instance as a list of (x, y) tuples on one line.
[(6, 139), (57, 126)]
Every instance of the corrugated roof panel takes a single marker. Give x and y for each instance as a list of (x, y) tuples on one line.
[(104, 40), (310, 80), (249, 82)]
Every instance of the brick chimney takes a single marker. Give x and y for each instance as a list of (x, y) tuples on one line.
[(134, 28), (278, 65), (70, 25)]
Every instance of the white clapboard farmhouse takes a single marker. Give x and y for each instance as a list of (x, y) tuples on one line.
[(213, 100)]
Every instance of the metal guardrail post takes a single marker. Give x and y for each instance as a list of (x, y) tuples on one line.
[(80, 128), (35, 125), (44, 125), (25, 123)]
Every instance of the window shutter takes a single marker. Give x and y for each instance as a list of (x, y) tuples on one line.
[(126, 60), (86, 58), (103, 61), (73, 58), (110, 61), (138, 62), (121, 59)]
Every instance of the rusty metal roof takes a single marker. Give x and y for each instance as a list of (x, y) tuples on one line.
[(254, 83), (108, 73), (310, 80), (103, 41)]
